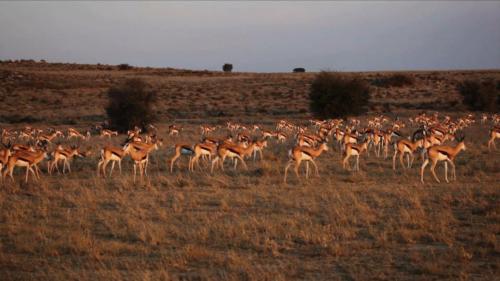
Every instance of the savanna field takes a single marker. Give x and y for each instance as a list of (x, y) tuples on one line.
[(372, 224)]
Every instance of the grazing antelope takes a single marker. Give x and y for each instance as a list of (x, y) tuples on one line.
[(308, 154), (113, 154), (442, 153), (181, 149), (173, 130), (206, 129), (48, 138), (352, 149), (281, 137), (26, 159), (308, 140), (201, 150), (232, 151), (242, 137), (65, 155), (407, 147), (108, 133), (437, 131), (494, 134), (72, 133), (155, 144), (267, 134)]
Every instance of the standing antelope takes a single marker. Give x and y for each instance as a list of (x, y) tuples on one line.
[(352, 149), (140, 158), (73, 133), (407, 147), (148, 147), (494, 134), (202, 149), (26, 159), (65, 155), (302, 153), (181, 149), (232, 151), (442, 153), (110, 153), (4, 157), (259, 146)]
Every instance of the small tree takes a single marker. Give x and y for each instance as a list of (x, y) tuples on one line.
[(480, 95), (130, 104), (227, 67), (124, 66), (338, 95)]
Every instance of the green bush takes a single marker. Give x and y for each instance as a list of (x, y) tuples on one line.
[(335, 94), (481, 96), (131, 104)]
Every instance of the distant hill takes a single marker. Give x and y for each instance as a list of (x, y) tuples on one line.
[(76, 93)]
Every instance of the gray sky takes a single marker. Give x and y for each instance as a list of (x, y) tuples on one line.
[(256, 36)]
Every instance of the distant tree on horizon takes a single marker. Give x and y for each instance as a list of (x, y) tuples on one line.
[(227, 67)]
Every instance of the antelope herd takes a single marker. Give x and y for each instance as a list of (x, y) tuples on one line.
[(435, 138)]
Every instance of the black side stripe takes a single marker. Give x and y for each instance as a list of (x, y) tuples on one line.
[(24, 159), (443, 152), (233, 150), (305, 152), (116, 154)]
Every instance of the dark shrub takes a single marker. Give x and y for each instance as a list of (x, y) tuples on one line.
[(227, 67), (394, 80), (299, 69), (17, 118), (338, 95), (478, 95), (130, 104), (124, 66)]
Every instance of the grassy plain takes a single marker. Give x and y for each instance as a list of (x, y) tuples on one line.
[(376, 224)]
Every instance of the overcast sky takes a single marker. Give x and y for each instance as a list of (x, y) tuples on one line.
[(256, 36)]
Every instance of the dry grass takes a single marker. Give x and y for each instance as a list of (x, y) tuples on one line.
[(376, 224)]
